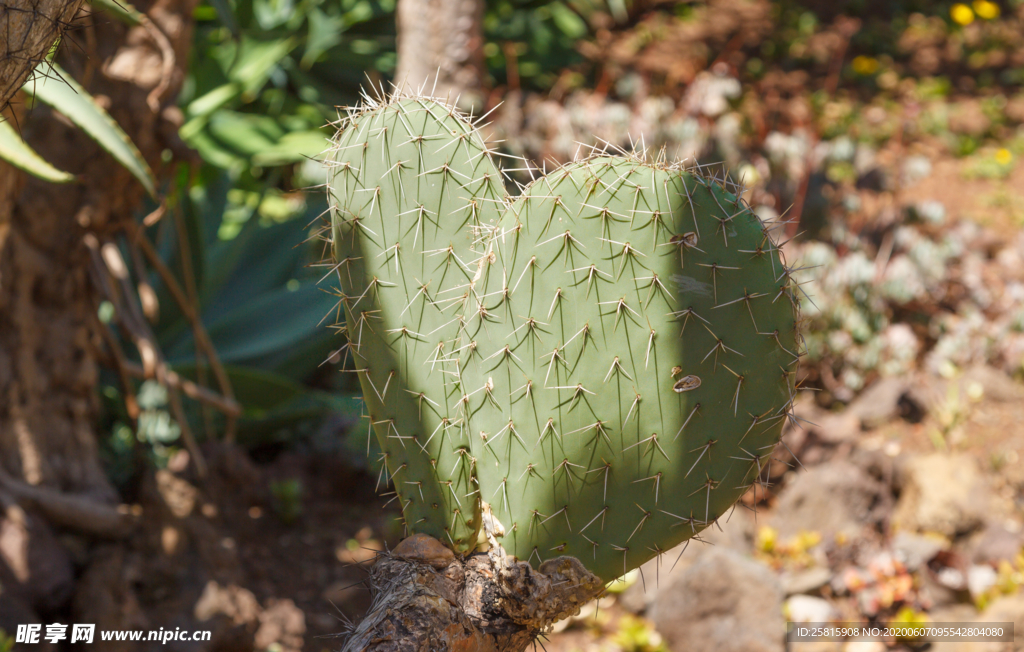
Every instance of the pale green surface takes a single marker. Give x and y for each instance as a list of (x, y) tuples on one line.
[(526, 414), (16, 151), (392, 216)]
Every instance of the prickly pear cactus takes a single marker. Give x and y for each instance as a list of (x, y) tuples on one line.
[(598, 368)]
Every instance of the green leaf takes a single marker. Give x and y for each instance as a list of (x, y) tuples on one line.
[(16, 151), (119, 9), (568, 21), (293, 147), (64, 94), (227, 16), (248, 75), (244, 133), (324, 33), (272, 13), (258, 60)]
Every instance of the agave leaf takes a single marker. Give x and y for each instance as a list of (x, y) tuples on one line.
[(293, 147), (64, 94), (251, 70), (16, 151), (245, 134), (281, 256), (272, 402), (226, 14), (246, 335), (119, 9)]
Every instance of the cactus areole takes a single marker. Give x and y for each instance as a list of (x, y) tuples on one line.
[(598, 368)]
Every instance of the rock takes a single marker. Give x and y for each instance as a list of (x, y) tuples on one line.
[(806, 580), (833, 498), (955, 613), (941, 493), (1008, 609), (915, 550), (178, 494), (724, 602), (995, 384), (977, 382), (995, 543), (879, 403), (736, 533), (282, 623), (809, 609), (238, 604), (980, 578)]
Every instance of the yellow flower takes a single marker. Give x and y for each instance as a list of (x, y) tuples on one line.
[(985, 9), (866, 65), (1003, 156), (961, 14), (767, 538)]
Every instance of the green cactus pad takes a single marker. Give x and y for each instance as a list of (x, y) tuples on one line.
[(607, 360)]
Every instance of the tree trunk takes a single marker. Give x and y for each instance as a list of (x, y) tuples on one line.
[(50, 337), (426, 599), (28, 29), (49, 334), (440, 49)]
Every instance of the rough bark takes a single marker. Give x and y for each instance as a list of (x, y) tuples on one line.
[(426, 599), (49, 334), (440, 49), (28, 29)]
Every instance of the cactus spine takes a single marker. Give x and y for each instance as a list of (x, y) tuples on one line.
[(598, 368)]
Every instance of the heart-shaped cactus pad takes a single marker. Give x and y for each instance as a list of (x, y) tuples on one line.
[(599, 367)]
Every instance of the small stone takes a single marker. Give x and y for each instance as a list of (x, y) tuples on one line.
[(809, 609), (283, 624), (832, 498), (237, 603), (915, 550), (1008, 609), (996, 543), (879, 403), (805, 581), (915, 168), (735, 533), (724, 602), (941, 493), (980, 578)]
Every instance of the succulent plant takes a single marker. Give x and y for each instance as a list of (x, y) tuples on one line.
[(598, 368)]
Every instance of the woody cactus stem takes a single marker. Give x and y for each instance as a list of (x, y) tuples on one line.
[(28, 29), (596, 370)]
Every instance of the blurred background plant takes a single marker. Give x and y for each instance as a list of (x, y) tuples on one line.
[(822, 115)]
